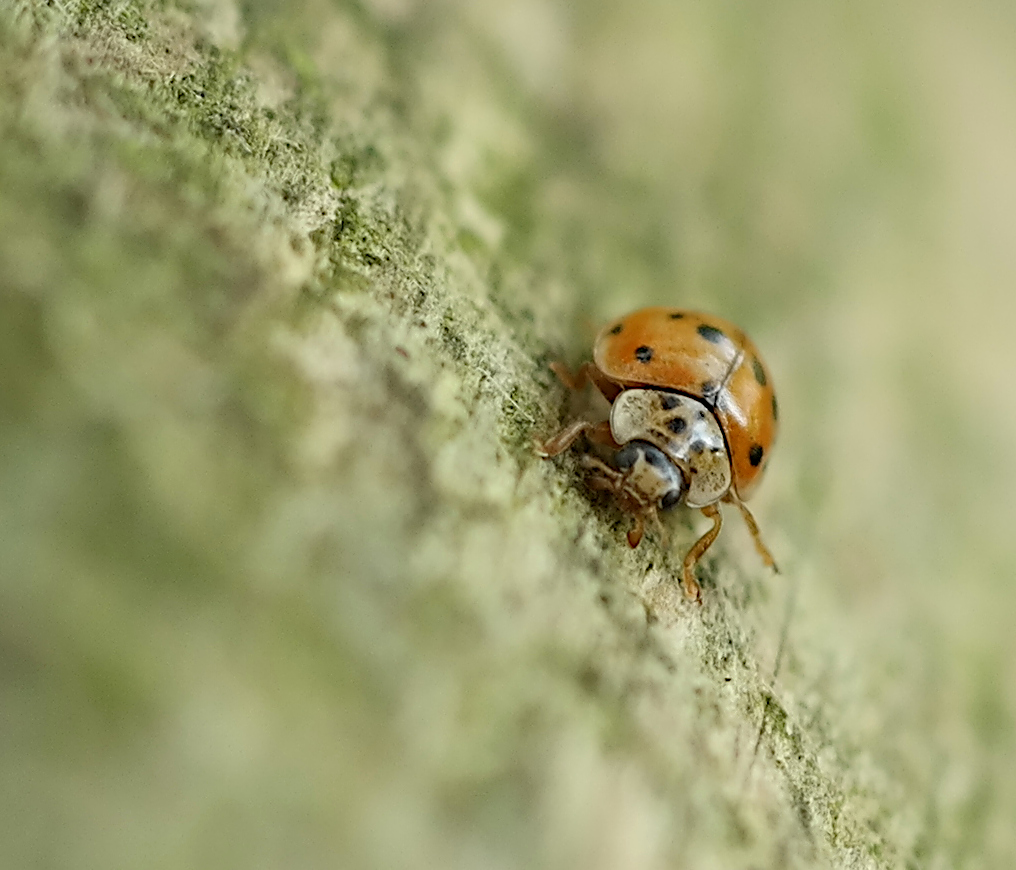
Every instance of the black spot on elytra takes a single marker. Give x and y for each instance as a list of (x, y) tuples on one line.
[(702, 415), (668, 401), (776, 410), (755, 455), (710, 333), (643, 353), (677, 425), (676, 315), (698, 446), (760, 373), (617, 329)]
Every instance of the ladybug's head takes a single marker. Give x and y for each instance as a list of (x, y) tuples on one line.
[(649, 472)]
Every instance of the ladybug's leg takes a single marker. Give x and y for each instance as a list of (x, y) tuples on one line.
[(661, 529), (635, 533), (573, 381), (691, 588), (749, 520), (601, 434), (598, 432), (604, 477), (587, 372), (611, 480)]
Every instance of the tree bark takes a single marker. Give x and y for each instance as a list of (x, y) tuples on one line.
[(285, 581)]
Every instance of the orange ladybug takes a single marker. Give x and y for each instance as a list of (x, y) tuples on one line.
[(692, 420)]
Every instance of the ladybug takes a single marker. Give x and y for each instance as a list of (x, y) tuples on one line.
[(693, 419)]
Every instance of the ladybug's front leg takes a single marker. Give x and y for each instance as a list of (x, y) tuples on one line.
[(606, 478), (596, 432), (691, 586)]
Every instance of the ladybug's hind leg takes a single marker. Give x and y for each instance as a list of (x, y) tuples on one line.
[(749, 521)]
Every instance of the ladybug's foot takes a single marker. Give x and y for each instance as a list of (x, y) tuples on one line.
[(692, 590), (763, 550), (691, 587), (635, 533), (638, 530)]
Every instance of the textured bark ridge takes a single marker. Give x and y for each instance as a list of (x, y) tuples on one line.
[(283, 581)]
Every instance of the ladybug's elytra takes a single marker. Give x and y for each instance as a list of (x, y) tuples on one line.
[(692, 421)]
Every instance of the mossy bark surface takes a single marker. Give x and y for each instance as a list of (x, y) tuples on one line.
[(282, 580)]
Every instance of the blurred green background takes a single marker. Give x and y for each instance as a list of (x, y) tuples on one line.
[(281, 581)]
